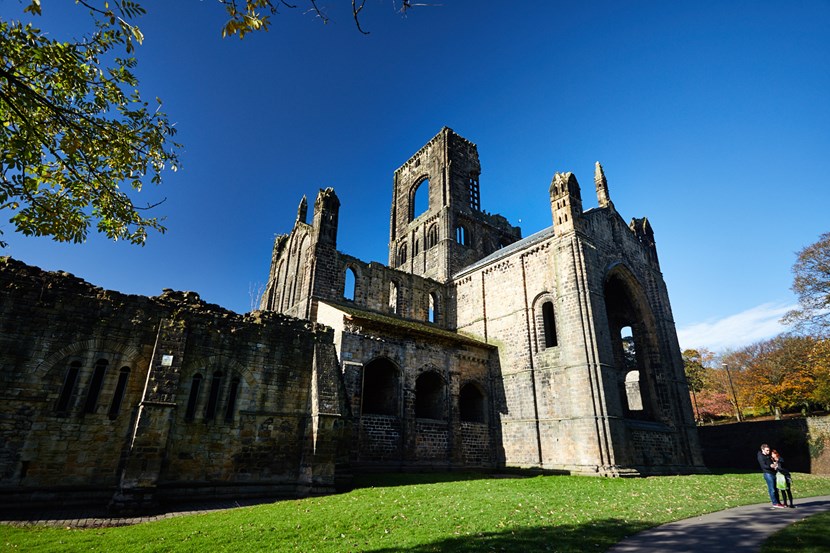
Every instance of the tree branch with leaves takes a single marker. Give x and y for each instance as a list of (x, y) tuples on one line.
[(75, 131)]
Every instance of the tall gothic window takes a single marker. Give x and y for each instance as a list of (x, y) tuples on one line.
[(351, 284), (420, 198)]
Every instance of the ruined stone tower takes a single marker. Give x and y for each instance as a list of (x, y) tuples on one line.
[(437, 226)]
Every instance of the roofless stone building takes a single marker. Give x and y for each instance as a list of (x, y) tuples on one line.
[(473, 348)]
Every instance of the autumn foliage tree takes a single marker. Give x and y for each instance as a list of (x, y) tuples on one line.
[(811, 284), (777, 374)]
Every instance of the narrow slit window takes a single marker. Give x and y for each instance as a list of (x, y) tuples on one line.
[(233, 392), (120, 389), (68, 387), (549, 321), (193, 398), (95, 385), (213, 398)]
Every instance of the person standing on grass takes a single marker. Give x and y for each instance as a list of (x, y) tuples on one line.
[(768, 468), (786, 491)]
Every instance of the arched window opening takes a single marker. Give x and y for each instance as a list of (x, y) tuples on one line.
[(420, 198), (193, 397), (471, 404), (432, 236), (416, 247), (120, 389), (462, 236), (233, 392), (629, 332), (351, 284), (68, 387), (433, 308), (213, 397), (95, 385), (429, 396), (549, 322), (402, 255), (393, 297), (380, 388)]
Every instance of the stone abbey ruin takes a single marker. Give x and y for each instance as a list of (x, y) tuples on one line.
[(473, 349)]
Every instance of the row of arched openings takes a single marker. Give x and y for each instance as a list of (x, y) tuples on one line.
[(381, 385), (462, 236), (222, 396), (97, 378)]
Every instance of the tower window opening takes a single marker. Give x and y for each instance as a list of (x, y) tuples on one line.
[(475, 194), (420, 199), (462, 236), (433, 308)]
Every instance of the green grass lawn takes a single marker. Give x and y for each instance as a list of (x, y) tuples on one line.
[(811, 535), (421, 513)]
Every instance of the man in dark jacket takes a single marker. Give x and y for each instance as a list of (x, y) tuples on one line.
[(768, 467)]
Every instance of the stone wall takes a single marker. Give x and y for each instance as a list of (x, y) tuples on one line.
[(143, 398), (803, 442)]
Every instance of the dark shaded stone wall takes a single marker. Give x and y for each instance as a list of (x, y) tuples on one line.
[(270, 389), (803, 442)]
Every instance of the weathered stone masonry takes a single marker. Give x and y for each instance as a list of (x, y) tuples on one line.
[(578, 367), (129, 399), (474, 348)]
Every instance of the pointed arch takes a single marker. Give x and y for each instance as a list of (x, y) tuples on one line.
[(419, 198), (349, 283), (381, 388), (430, 396), (472, 403), (636, 349)]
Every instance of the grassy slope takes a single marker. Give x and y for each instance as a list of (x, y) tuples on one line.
[(420, 513)]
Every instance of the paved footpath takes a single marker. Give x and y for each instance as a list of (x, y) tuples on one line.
[(737, 530)]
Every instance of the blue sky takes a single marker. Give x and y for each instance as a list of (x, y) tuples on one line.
[(711, 119)]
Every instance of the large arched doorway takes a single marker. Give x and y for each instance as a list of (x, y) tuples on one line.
[(634, 345)]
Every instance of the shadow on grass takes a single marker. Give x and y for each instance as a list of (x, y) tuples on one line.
[(592, 536), (390, 479)]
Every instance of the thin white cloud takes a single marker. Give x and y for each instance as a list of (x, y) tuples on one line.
[(735, 331)]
